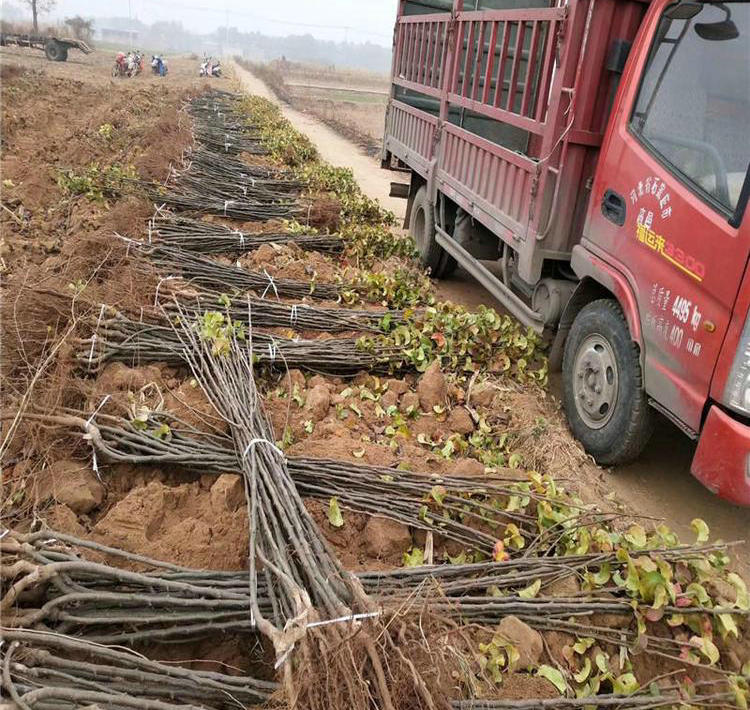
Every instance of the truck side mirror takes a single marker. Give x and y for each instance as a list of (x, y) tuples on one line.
[(718, 31)]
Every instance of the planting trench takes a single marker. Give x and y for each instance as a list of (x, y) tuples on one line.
[(292, 475)]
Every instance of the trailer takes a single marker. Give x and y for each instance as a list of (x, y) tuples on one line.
[(54, 48), (587, 162)]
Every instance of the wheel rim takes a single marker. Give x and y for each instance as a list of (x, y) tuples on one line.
[(595, 381)]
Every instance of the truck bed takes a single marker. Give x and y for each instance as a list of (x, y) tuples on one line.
[(502, 110)]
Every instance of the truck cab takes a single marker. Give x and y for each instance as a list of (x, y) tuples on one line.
[(588, 163)]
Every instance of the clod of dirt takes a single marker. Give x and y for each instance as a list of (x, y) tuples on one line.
[(318, 402), (385, 538), (409, 401), (63, 519), (482, 394), (431, 388), (71, 483), (469, 468), (388, 399), (227, 493), (565, 587), (399, 387), (177, 523), (520, 686), (460, 421), (527, 641)]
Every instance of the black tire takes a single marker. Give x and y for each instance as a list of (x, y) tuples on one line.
[(54, 51), (422, 230), (613, 422)]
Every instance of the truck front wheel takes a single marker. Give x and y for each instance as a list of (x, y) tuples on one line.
[(422, 230), (604, 397)]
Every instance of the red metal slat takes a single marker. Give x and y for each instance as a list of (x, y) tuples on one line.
[(507, 26), (443, 67), (468, 59), (499, 114), (421, 88), (409, 52), (399, 49), (427, 78), (530, 68), (517, 56), (419, 19), (478, 61), (545, 76), (525, 14), (490, 63), (420, 54)]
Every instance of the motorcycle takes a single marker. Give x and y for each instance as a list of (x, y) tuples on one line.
[(129, 64), (158, 65), (209, 68)]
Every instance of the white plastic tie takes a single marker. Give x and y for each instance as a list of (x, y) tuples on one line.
[(283, 657), (226, 204), (254, 442), (95, 336), (273, 350), (343, 619), (4, 533), (293, 315), (244, 190), (96, 411), (271, 284)]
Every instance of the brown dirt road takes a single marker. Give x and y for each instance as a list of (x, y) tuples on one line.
[(659, 484)]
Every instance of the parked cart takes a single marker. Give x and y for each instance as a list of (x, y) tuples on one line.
[(55, 48)]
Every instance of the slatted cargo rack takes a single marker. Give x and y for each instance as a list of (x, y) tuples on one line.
[(503, 110)]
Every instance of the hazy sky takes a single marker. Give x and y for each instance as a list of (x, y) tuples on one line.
[(356, 20)]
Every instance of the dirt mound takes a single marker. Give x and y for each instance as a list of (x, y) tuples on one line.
[(184, 524)]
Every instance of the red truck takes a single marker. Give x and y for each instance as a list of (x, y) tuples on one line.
[(588, 163)]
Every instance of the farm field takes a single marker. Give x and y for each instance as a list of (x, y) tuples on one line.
[(250, 459)]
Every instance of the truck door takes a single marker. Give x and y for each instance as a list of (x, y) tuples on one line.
[(667, 185)]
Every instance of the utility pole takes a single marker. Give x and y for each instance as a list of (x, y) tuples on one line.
[(226, 27)]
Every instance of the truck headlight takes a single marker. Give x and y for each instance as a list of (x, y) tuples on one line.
[(737, 392)]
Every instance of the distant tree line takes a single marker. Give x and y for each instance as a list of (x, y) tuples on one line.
[(173, 37)]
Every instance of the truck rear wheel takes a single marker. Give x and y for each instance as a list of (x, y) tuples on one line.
[(54, 51), (604, 397), (422, 230)]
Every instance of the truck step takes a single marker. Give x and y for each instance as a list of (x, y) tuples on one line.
[(494, 285)]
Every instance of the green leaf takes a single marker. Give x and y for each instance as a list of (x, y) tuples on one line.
[(309, 426), (531, 591), (554, 676), (636, 536), (581, 676), (583, 645), (707, 647), (414, 557), (625, 684), (161, 431), (728, 626), (334, 513), (700, 529), (438, 493)]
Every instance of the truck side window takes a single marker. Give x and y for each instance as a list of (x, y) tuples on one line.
[(693, 106)]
